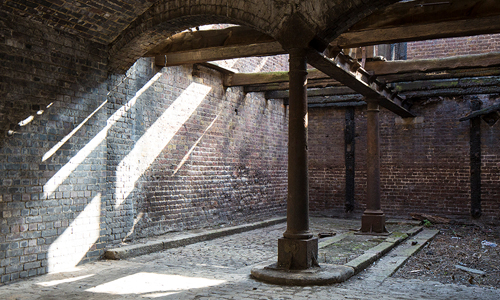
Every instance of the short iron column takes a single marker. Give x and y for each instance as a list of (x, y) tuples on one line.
[(373, 219), (297, 249)]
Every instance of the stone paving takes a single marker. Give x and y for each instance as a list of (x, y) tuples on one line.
[(219, 269)]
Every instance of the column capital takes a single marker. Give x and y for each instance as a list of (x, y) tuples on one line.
[(372, 104)]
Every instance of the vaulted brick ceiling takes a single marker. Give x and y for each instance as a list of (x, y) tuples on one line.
[(97, 20), (133, 27)]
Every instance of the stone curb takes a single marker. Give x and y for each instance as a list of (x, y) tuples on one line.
[(186, 239), (373, 254), (421, 240)]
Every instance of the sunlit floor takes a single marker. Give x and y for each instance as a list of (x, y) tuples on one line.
[(218, 269)]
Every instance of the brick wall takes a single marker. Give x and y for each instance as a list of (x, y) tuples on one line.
[(454, 46), (98, 160), (424, 166)]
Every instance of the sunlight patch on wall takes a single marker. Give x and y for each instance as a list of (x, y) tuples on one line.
[(56, 180), (153, 284), (185, 158), (69, 135), (156, 138), (71, 246), (261, 64)]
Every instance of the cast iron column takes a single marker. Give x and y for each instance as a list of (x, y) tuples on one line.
[(373, 219), (297, 249)]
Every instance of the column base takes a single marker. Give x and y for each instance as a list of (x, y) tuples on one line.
[(327, 274), (373, 222), (297, 254)]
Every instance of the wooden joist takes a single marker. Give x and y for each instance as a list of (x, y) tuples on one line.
[(353, 76), (417, 89), (329, 91), (218, 53), (392, 71), (238, 79), (421, 20), (213, 38)]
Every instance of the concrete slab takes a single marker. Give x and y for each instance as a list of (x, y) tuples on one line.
[(391, 262)]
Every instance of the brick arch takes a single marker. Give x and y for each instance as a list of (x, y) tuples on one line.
[(168, 17), (323, 19)]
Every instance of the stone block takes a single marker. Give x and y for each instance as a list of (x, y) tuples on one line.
[(297, 254)]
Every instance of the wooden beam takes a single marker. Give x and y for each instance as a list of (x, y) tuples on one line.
[(218, 53), (337, 104), (238, 79), (279, 86), (430, 65), (213, 38), (391, 71), (415, 89), (352, 75), (447, 88), (441, 74), (330, 91), (481, 112), (422, 20)]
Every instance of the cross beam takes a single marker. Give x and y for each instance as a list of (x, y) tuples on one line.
[(421, 20), (476, 65), (351, 74)]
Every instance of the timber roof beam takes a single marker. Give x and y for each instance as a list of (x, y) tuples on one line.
[(352, 75), (423, 20), (388, 71)]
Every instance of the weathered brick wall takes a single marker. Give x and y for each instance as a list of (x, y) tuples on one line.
[(105, 159), (205, 155), (52, 82), (424, 166), (454, 46)]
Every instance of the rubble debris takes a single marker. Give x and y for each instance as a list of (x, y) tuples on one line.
[(430, 218), (470, 270), (486, 243)]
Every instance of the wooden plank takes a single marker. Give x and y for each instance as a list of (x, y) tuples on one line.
[(219, 53), (201, 39), (421, 20), (337, 104), (357, 79), (465, 83), (313, 83), (441, 74), (330, 91), (336, 98), (238, 79)]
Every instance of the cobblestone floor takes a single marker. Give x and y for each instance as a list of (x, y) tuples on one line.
[(219, 269)]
